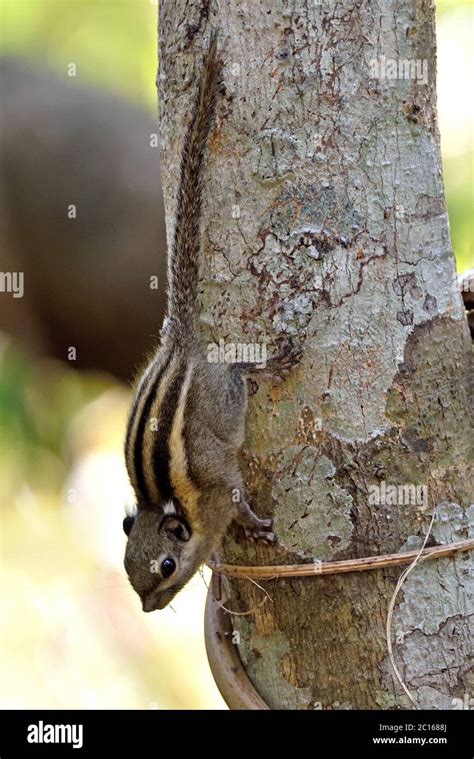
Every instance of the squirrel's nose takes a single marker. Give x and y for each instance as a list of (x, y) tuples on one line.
[(148, 604)]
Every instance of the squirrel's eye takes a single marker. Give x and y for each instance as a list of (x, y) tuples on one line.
[(168, 566), (128, 524)]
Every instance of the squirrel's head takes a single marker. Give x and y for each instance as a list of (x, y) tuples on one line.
[(162, 554)]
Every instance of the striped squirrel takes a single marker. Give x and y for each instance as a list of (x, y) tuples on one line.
[(186, 425)]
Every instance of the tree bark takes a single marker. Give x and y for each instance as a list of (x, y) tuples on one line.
[(325, 222)]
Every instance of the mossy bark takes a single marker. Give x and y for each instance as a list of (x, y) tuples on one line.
[(325, 222)]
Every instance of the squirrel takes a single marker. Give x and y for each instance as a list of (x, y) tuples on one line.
[(187, 421)]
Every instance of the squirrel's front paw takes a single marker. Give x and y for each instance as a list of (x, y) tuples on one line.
[(285, 361), (255, 528), (256, 534), (280, 366)]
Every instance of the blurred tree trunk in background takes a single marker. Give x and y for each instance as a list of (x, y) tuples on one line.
[(325, 221), (87, 279)]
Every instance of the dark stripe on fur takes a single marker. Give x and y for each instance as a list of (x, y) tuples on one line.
[(147, 378), (138, 451), (161, 453)]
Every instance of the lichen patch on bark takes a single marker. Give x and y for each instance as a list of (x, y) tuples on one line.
[(312, 512)]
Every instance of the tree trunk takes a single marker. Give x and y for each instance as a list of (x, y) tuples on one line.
[(325, 222)]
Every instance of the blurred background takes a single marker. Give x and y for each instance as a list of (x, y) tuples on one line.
[(81, 212)]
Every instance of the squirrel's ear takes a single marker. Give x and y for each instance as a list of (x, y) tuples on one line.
[(128, 524), (175, 526)]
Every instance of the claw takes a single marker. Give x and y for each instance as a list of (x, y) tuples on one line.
[(255, 535), (279, 366), (259, 529), (287, 360), (255, 528)]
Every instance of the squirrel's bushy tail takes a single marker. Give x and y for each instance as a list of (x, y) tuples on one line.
[(183, 268)]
